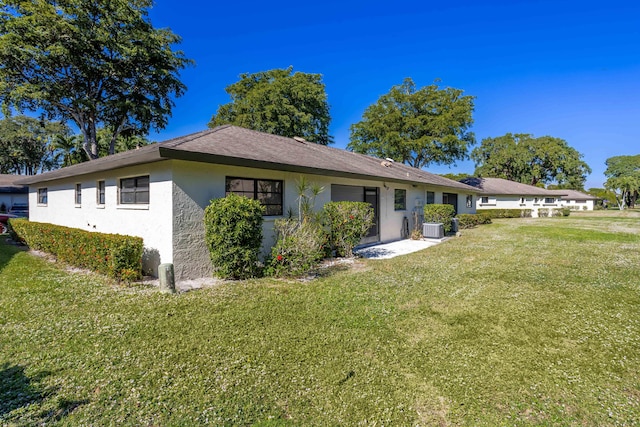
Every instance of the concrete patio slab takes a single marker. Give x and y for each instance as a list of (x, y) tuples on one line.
[(394, 249)]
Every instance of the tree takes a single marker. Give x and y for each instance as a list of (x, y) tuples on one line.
[(534, 161), (69, 147), (623, 178), (604, 196), (279, 102), (97, 63), (418, 127), (27, 145), (456, 176)]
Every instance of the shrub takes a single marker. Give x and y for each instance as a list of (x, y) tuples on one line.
[(559, 212), (507, 213), (299, 248), (348, 223), (566, 211), (115, 255), (233, 233), (471, 220), (542, 212), (440, 214)]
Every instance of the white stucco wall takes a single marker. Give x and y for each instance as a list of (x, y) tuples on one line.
[(516, 202), (579, 205), (152, 222)]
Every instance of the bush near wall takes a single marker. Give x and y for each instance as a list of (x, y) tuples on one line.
[(299, 247), (348, 223), (472, 220), (508, 213), (233, 233), (114, 255), (439, 213)]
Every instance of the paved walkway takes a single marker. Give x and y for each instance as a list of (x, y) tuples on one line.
[(393, 249)]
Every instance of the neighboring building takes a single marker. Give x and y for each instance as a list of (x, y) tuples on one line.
[(159, 192), (11, 193), (498, 193), (577, 201)]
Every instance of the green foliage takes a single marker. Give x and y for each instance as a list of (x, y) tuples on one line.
[(279, 102), (440, 214), (70, 152), (566, 211), (98, 63), (299, 248), (114, 255), (523, 158), (348, 223), (543, 212), (418, 127), (507, 213), (233, 233), (466, 221), (456, 176), (623, 179), (27, 145)]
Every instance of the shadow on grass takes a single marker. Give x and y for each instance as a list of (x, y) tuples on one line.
[(8, 250), (18, 391)]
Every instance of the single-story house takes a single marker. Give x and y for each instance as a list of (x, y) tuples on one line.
[(12, 193), (498, 193), (159, 192), (576, 200)]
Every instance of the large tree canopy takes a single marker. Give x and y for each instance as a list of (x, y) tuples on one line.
[(623, 178), (279, 102), (523, 158), (27, 145), (98, 63), (418, 127)]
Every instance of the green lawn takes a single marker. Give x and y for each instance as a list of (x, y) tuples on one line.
[(522, 322)]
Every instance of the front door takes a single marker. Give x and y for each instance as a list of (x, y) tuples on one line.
[(352, 193)]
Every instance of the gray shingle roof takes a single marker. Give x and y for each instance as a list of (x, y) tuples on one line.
[(573, 195), (504, 187), (232, 145)]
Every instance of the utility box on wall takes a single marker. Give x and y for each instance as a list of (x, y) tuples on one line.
[(432, 230)]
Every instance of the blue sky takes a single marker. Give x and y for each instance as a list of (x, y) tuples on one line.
[(569, 69)]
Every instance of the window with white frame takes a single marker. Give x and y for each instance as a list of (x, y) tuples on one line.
[(134, 191), (100, 193), (485, 200), (400, 200), (78, 194), (549, 200), (469, 201), (43, 197), (431, 197)]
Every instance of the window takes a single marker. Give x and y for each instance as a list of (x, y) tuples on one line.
[(431, 197), (535, 200), (400, 200), (485, 199), (521, 199), (469, 201), (78, 194), (267, 191), (549, 200), (42, 196), (134, 191), (100, 193)]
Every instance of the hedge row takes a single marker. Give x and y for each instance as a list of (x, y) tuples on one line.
[(507, 213), (440, 213), (111, 254), (471, 220)]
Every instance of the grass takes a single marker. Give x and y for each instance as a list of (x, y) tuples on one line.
[(521, 322)]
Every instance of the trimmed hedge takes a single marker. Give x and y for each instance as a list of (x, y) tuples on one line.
[(114, 255), (233, 233), (507, 213), (471, 220), (440, 214)]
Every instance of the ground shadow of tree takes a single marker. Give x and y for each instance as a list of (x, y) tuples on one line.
[(18, 392), (7, 250)]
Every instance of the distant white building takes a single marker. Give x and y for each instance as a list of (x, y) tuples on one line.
[(498, 193), (577, 201), (11, 193)]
